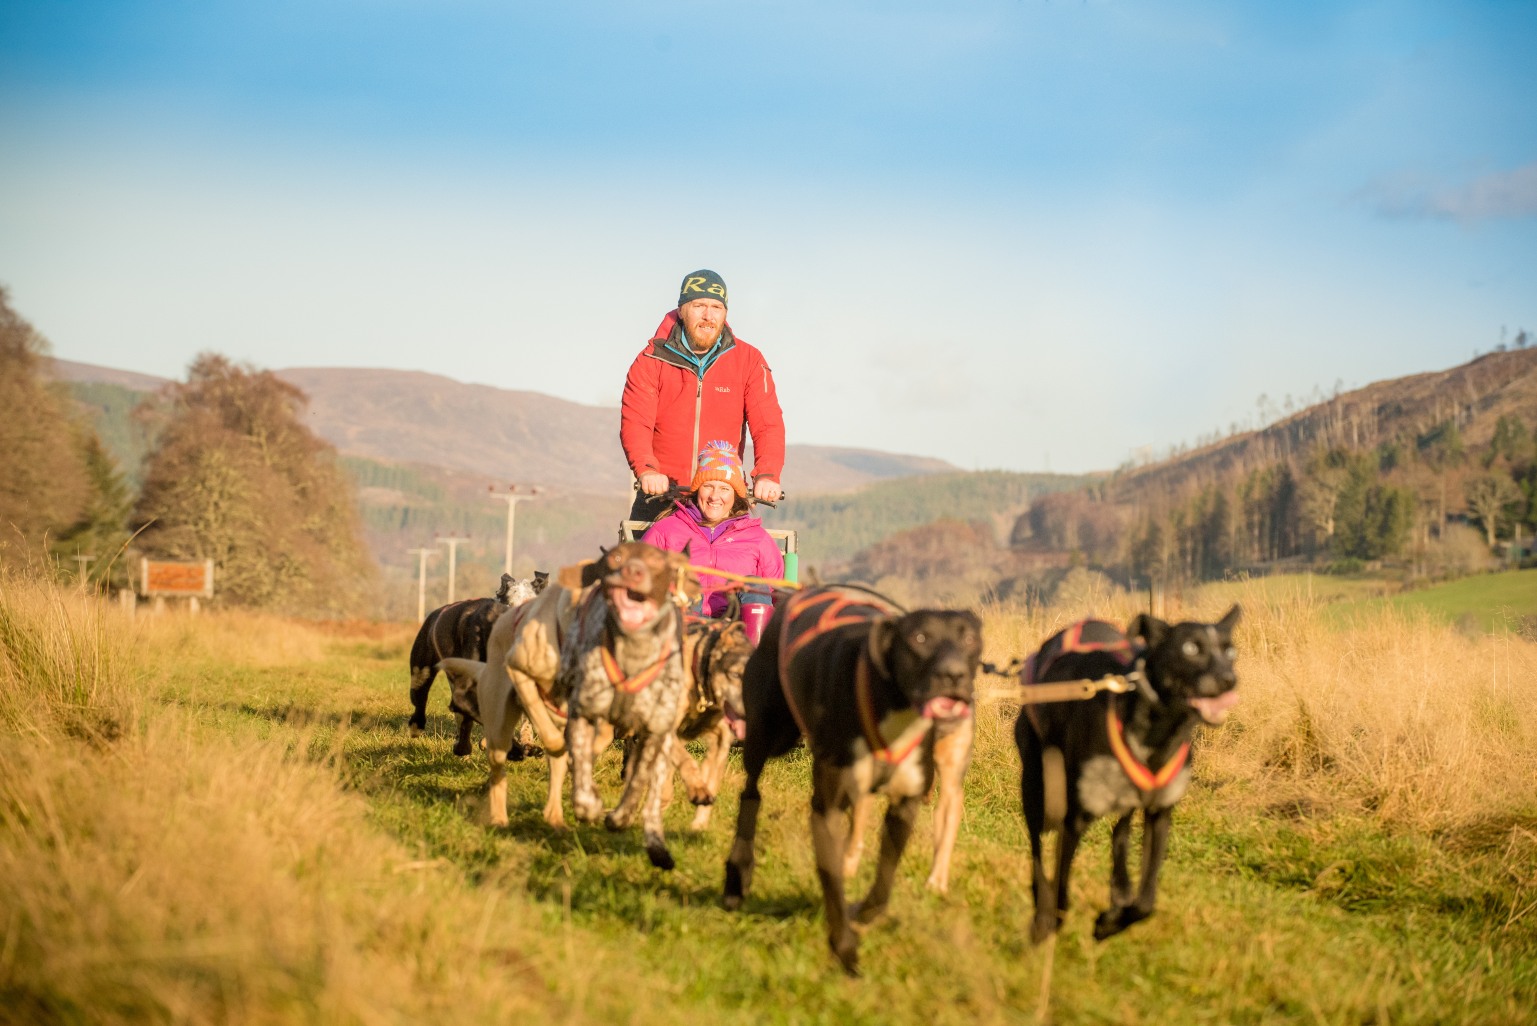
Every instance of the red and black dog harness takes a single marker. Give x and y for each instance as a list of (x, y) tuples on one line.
[(1099, 636), (807, 616)]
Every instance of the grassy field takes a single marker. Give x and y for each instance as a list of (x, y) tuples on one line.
[(1491, 602), (1480, 604), (223, 819)]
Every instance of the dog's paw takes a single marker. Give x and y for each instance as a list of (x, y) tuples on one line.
[(516, 752), (463, 748), (660, 857), (862, 914), (1112, 921), (846, 950), (736, 887)]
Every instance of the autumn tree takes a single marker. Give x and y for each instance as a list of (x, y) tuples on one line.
[(43, 484), (237, 478), (1492, 499)]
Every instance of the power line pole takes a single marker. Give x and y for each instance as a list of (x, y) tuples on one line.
[(513, 497), (453, 542), (421, 581)]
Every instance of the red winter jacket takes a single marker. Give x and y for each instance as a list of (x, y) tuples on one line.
[(669, 412)]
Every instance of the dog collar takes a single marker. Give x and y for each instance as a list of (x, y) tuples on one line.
[(1136, 771), (911, 725), (638, 682)]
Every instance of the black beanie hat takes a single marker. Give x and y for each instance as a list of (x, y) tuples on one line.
[(702, 285)]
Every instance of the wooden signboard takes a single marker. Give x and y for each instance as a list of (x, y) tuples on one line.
[(184, 579)]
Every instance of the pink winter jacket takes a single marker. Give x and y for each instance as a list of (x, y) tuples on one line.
[(741, 545)]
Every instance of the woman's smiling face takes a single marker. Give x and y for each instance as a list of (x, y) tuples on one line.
[(715, 499)]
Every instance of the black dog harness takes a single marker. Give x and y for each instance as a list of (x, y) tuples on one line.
[(810, 615), (1099, 636)]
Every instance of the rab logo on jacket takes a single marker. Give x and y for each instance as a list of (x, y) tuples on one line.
[(722, 388)]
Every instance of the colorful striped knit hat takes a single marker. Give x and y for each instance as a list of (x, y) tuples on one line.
[(718, 461)]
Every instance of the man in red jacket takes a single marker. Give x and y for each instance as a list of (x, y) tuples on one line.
[(695, 381)]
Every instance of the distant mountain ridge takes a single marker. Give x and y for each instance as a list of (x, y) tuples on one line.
[(505, 436)]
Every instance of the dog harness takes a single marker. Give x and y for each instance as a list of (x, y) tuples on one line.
[(810, 615), (641, 680), (1099, 636), (1137, 771), (912, 725), (709, 632)]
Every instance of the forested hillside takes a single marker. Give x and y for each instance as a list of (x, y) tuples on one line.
[(1432, 475), (832, 528)]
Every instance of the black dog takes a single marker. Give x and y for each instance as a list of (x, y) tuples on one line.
[(1113, 754), (875, 693), (458, 629)]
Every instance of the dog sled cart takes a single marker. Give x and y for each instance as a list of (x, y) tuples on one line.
[(631, 530), (754, 614)]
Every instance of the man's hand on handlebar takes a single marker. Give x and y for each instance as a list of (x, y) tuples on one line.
[(767, 490), (653, 483)]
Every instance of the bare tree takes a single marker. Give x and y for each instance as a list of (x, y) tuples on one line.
[(236, 477), (1489, 497)]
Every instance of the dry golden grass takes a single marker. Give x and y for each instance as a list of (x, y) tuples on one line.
[(165, 872)]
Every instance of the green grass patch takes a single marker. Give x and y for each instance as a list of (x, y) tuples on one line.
[(1505, 601)]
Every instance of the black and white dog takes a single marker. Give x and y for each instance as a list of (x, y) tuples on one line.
[(884, 701), (1116, 753), (460, 630)]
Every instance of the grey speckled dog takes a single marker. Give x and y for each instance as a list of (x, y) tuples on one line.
[(622, 666), (1113, 754), (717, 653)]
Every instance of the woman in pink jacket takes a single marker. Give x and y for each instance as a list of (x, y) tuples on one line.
[(712, 523)]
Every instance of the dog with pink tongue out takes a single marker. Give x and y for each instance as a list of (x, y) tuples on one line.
[(622, 668), (1117, 753), (883, 698)]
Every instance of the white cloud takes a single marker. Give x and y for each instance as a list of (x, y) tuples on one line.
[(1497, 196)]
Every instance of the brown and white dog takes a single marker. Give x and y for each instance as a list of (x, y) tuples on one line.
[(517, 681), (884, 700), (622, 668), (717, 652)]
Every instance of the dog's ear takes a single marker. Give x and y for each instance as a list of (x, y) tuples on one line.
[(574, 578), (685, 581), (1150, 629), (1228, 622), (883, 634)]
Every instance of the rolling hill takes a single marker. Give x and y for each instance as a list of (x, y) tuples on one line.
[(418, 419)]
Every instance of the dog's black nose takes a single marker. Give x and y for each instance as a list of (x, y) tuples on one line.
[(952, 675)]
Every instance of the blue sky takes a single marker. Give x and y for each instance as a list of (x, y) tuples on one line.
[(1009, 234)]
